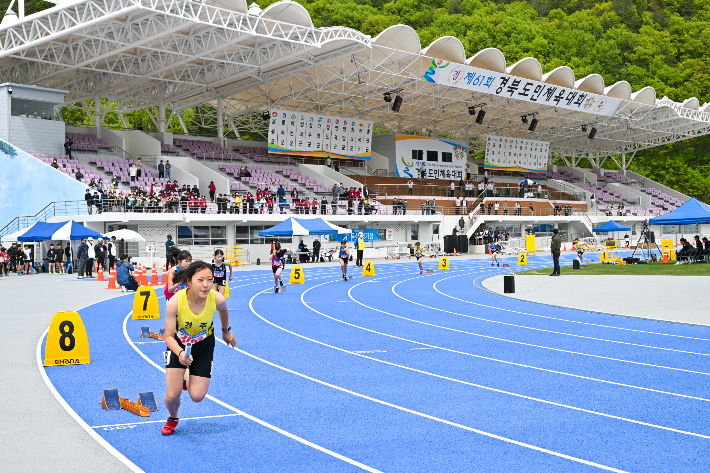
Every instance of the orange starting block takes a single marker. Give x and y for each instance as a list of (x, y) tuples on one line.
[(111, 401)]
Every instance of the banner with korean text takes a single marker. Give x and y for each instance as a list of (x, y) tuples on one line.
[(430, 158), (309, 134), (504, 85), (516, 154)]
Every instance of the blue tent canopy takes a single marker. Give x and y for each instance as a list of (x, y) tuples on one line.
[(611, 226), (69, 230), (691, 212), (302, 227)]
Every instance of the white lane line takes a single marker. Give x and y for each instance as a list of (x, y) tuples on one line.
[(252, 418), (101, 441), (411, 411), (547, 331), (395, 349), (466, 382), (561, 320), (182, 419), (496, 359)]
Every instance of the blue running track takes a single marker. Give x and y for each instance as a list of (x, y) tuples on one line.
[(406, 373)]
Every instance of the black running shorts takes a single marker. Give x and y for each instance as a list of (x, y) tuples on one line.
[(202, 355)]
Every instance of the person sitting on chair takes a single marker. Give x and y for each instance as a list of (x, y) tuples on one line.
[(684, 252)]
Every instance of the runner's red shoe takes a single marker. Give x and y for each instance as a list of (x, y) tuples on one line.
[(184, 385), (169, 427)]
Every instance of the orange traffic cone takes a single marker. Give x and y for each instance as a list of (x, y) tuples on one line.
[(666, 257), (565, 247), (112, 279), (164, 279), (143, 279), (455, 252), (100, 272), (154, 276)]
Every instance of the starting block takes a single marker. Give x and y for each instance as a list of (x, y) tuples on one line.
[(145, 332), (505, 266), (147, 400), (111, 401), (158, 336), (429, 270)]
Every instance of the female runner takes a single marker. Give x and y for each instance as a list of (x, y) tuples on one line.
[(419, 255), (180, 261), (343, 256), (219, 269), (278, 263), (189, 318), (494, 248)]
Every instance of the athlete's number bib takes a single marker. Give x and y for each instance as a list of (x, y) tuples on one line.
[(219, 274), (187, 338)]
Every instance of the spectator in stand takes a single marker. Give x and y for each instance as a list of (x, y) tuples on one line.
[(212, 190), (496, 206), (490, 207), (432, 206), (505, 208), (112, 251), (410, 184), (78, 175), (453, 189), (246, 172), (89, 200), (341, 190), (294, 196), (161, 170), (132, 172), (323, 204), (68, 146), (81, 256), (337, 168), (55, 165), (124, 275), (532, 209), (91, 256), (195, 190), (328, 162), (139, 168), (457, 204), (100, 251), (97, 202), (335, 191), (100, 185), (168, 170), (365, 193)]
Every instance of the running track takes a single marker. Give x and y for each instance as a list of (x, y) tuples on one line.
[(406, 373)]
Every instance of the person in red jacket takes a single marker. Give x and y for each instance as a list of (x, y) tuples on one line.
[(212, 190), (314, 206), (203, 204)]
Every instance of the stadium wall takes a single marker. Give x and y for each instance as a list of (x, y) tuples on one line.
[(29, 185), (199, 171)]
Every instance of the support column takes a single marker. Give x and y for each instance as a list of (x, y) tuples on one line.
[(623, 163), (220, 118), (161, 117), (97, 113)]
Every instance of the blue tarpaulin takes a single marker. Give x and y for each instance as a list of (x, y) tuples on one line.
[(691, 212), (611, 226), (302, 227), (70, 230)]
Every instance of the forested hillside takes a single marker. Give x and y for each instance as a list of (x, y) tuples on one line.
[(661, 43)]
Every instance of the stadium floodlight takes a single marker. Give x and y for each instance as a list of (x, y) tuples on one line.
[(397, 102), (388, 97), (533, 124), (472, 110), (265, 115), (481, 115), (592, 132), (524, 118), (584, 128)]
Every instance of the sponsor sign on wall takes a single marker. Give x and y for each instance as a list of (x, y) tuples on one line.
[(309, 134), (515, 154), (432, 158), (368, 234)]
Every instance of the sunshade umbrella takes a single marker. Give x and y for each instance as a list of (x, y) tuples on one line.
[(125, 235)]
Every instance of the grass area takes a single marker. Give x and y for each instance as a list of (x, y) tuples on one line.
[(651, 269)]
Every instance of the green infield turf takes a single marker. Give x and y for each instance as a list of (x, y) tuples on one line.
[(651, 269)]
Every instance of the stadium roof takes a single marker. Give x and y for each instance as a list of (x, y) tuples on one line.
[(244, 60)]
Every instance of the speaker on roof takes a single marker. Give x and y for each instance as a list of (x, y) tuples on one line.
[(397, 102), (449, 243)]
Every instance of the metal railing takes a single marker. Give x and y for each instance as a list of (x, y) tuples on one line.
[(53, 209), (426, 191)]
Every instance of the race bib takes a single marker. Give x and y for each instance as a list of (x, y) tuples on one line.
[(187, 338), (219, 274)]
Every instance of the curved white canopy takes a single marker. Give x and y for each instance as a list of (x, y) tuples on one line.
[(490, 58), (593, 83), (527, 68), (562, 76), (446, 47), (620, 90)]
